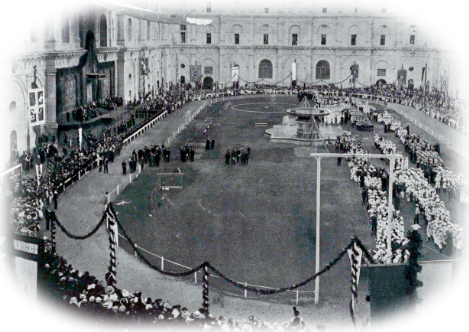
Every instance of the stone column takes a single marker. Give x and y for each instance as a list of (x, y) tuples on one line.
[(121, 76), (50, 24), (50, 92)]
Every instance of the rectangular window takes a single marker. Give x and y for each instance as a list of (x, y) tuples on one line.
[(266, 10), (412, 39), (353, 40), (323, 39), (209, 38), (384, 7), (324, 10), (266, 39), (208, 70), (381, 72), (183, 29), (209, 7), (294, 39), (236, 38)]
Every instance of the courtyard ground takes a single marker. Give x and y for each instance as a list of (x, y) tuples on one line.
[(255, 223)]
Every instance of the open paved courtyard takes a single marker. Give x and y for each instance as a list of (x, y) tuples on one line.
[(255, 223)]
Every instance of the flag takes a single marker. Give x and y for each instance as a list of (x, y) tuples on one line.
[(293, 71), (355, 255), (80, 131), (38, 173)]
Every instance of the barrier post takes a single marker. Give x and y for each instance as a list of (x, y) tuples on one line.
[(297, 296), (136, 246), (162, 263), (195, 278), (130, 178), (117, 190), (245, 290)]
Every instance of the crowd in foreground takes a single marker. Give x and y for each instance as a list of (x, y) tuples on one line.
[(102, 304)]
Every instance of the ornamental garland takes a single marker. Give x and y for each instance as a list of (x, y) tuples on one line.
[(207, 266), (76, 237), (324, 81)]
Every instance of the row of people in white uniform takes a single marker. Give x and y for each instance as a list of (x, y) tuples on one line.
[(377, 207)]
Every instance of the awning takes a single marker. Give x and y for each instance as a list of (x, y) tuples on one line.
[(122, 7)]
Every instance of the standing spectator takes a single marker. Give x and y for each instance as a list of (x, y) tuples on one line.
[(192, 154), (105, 165), (227, 157), (124, 168), (55, 197)]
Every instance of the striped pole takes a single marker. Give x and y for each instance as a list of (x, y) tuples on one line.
[(355, 255), (205, 290), (53, 231), (112, 227)]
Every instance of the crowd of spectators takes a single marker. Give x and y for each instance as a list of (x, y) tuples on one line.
[(32, 194), (102, 303)]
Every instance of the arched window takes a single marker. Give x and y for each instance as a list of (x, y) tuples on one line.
[(8, 23), (32, 24), (294, 35), (323, 31), (129, 30), (81, 30), (354, 32), (265, 69), (323, 70), (236, 31), (412, 31), (65, 30), (103, 31)]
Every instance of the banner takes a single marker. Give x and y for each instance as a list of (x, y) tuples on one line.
[(444, 83), (293, 71), (401, 77), (38, 173), (36, 106), (80, 130), (144, 68), (235, 73), (196, 73), (354, 71)]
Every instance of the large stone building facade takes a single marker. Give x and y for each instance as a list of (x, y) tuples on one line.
[(95, 51)]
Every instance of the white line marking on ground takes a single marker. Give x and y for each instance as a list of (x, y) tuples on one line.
[(170, 202)]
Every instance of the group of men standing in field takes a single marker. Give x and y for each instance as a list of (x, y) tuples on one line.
[(237, 156)]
